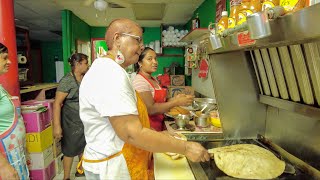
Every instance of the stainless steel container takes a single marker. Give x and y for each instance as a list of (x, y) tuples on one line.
[(215, 40), (258, 25), (202, 120), (204, 104), (182, 120)]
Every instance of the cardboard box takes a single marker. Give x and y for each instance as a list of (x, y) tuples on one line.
[(58, 164), (40, 160), (35, 121), (47, 103), (44, 174), (177, 80), (175, 90), (56, 148), (38, 142)]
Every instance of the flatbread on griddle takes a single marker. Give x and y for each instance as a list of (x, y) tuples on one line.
[(247, 161)]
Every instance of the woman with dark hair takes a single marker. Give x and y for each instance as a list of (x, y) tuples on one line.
[(151, 92), (12, 130), (67, 124)]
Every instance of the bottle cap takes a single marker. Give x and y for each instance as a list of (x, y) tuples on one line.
[(224, 13)]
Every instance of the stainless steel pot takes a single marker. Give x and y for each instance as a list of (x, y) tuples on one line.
[(182, 120), (207, 104), (202, 120)]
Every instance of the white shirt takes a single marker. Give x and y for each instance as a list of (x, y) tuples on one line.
[(105, 91)]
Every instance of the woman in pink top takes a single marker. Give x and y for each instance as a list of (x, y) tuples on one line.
[(151, 92)]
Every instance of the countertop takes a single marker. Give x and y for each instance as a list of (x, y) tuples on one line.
[(165, 168), (210, 129), (37, 87)]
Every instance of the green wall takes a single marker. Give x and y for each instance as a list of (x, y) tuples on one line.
[(73, 29), (207, 14), (97, 32), (150, 34), (50, 50)]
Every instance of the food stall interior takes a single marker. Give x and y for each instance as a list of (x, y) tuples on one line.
[(272, 88)]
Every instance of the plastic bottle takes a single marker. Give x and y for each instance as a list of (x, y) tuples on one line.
[(255, 6), (292, 5), (223, 22), (233, 15), (244, 11), (196, 22), (269, 4)]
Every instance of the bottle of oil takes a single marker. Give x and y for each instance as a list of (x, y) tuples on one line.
[(233, 15), (269, 4), (223, 22), (244, 11), (196, 22)]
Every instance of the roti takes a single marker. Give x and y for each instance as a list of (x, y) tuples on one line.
[(247, 161)]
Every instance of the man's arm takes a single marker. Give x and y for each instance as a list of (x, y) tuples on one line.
[(130, 130)]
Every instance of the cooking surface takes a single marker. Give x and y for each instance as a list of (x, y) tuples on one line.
[(211, 171)]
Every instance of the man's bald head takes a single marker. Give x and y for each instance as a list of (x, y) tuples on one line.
[(119, 26)]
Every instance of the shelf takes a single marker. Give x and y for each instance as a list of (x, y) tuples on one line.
[(296, 28), (195, 34), (303, 109)]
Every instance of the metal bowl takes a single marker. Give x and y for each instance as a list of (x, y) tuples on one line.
[(182, 120), (206, 104), (202, 120)]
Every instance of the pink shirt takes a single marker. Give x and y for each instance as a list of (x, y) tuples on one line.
[(140, 84)]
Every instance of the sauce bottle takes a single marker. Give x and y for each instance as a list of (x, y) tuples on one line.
[(244, 11), (269, 4), (223, 22), (196, 22), (292, 5), (255, 6), (233, 15)]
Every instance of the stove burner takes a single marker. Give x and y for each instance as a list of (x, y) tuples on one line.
[(189, 127)]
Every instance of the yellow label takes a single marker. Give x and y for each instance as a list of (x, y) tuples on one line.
[(231, 23), (288, 5), (220, 28), (242, 19), (243, 16), (266, 5)]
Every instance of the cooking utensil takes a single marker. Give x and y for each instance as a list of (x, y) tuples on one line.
[(202, 120), (205, 106), (294, 160), (182, 120), (193, 114)]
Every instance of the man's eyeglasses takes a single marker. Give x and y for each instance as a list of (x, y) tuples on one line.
[(138, 38)]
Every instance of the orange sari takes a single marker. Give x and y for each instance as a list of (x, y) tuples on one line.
[(138, 160)]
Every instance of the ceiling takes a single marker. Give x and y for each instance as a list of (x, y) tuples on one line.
[(43, 17)]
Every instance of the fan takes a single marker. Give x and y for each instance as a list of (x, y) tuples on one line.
[(101, 5)]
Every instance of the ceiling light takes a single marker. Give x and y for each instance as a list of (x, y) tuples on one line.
[(101, 5)]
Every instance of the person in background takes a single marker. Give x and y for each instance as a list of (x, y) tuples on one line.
[(67, 124), (151, 92), (115, 118), (12, 131)]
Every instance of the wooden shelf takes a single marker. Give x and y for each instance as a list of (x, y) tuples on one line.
[(194, 34)]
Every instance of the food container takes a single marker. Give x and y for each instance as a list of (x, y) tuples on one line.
[(207, 104), (202, 120), (182, 120)]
